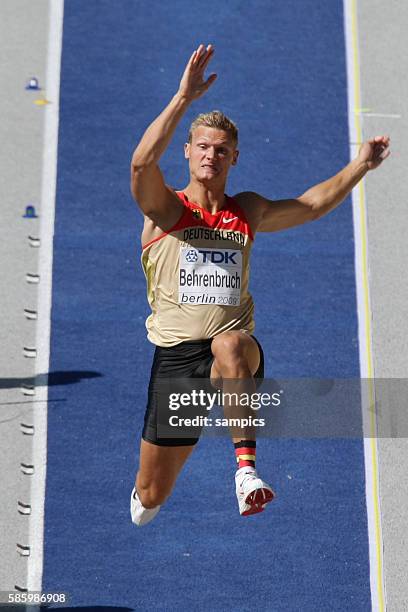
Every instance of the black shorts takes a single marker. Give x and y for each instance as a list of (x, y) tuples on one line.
[(184, 361)]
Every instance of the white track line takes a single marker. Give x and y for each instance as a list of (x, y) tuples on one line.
[(47, 216), (381, 115), (364, 318)]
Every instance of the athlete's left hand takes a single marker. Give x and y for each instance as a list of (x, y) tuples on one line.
[(374, 151)]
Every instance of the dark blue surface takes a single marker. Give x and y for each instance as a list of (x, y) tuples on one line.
[(282, 78)]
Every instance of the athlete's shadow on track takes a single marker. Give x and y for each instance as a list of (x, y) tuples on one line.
[(51, 379)]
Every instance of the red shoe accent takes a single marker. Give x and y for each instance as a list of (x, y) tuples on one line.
[(254, 510), (259, 497)]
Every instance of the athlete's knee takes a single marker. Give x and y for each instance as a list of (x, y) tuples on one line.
[(230, 352), (232, 343)]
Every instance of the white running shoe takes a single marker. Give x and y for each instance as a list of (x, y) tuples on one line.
[(253, 493), (141, 515)]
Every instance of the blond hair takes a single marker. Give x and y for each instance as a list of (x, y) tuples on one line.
[(215, 119)]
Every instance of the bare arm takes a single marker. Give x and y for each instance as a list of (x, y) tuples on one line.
[(154, 197), (322, 198)]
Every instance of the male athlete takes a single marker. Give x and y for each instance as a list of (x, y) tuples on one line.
[(196, 246)]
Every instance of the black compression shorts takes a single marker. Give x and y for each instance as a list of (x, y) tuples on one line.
[(172, 368)]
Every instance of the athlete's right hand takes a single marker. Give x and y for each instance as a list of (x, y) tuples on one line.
[(192, 84)]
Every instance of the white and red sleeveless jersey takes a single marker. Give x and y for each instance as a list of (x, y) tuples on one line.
[(197, 275)]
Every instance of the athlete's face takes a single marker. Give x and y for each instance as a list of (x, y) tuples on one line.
[(211, 153)]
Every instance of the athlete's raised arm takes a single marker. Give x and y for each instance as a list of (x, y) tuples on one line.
[(322, 198), (155, 198)]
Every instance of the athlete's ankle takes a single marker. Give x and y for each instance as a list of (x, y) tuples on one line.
[(245, 453)]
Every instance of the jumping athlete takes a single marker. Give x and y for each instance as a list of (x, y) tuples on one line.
[(196, 247)]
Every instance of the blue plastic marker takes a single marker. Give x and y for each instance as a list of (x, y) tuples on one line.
[(30, 213), (33, 84)]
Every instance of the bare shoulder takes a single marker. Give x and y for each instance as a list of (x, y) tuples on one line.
[(253, 206), (162, 221), (170, 211), (155, 198)]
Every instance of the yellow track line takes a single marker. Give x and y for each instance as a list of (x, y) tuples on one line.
[(367, 312)]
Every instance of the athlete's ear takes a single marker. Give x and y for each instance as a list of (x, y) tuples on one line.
[(235, 157), (187, 150)]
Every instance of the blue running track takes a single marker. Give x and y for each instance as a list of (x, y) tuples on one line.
[(282, 78)]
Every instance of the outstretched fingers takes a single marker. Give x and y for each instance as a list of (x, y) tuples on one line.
[(203, 56), (206, 56), (192, 58), (192, 83), (198, 54)]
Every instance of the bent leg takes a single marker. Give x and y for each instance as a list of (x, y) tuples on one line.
[(236, 360)]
